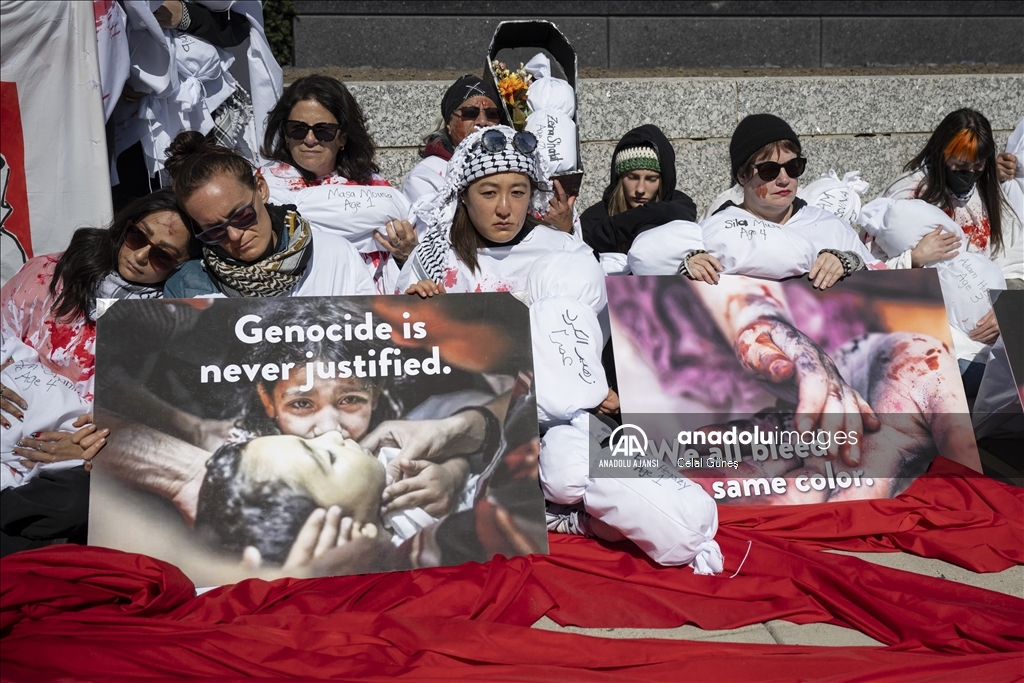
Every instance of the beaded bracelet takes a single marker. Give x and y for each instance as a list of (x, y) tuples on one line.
[(683, 270), (186, 20), (850, 260)]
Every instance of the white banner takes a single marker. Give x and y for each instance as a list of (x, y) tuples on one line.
[(55, 176)]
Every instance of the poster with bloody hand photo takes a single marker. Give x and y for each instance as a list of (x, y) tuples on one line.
[(775, 393)]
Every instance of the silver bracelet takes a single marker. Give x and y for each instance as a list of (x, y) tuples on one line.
[(186, 20)]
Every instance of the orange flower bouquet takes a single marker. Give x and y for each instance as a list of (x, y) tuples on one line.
[(512, 86)]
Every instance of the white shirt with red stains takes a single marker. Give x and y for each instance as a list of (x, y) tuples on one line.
[(972, 217)]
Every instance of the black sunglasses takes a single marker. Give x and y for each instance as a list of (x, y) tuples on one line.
[(159, 258), (769, 170), (242, 219), (472, 113), (494, 141), (324, 132)]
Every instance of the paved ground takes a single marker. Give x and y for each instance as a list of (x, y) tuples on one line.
[(1010, 581)]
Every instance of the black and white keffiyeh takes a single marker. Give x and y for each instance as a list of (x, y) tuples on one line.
[(471, 162), (113, 286), (272, 276)]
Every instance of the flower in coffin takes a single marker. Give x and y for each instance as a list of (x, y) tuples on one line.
[(512, 86)]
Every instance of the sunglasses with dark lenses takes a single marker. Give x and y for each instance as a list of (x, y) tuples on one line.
[(242, 219), (324, 132), (769, 170), (494, 141), (159, 258), (472, 113)]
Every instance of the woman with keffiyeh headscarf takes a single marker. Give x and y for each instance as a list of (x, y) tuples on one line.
[(482, 239)]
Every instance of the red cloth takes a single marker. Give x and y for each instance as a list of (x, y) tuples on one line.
[(106, 615)]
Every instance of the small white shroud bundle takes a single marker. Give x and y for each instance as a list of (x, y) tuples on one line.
[(669, 517), (53, 405), (552, 102), (840, 196), (899, 224), (1014, 187), (747, 245), (660, 250), (567, 303)]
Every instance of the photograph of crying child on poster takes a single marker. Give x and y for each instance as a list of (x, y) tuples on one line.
[(317, 436), (776, 393)]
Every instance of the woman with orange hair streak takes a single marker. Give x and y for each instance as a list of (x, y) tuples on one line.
[(959, 172)]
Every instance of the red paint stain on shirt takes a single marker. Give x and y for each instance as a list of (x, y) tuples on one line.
[(451, 277), (978, 235)]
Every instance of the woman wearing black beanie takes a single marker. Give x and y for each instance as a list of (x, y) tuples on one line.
[(772, 233)]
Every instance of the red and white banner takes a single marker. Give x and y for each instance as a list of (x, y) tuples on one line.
[(54, 176)]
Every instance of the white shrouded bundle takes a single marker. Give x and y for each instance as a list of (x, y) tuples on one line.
[(575, 274), (747, 245), (53, 405), (669, 517), (552, 103), (840, 196), (567, 300), (1014, 187), (353, 211), (899, 224), (567, 344), (660, 250)]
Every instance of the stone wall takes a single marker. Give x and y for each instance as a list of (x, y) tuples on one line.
[(654, 33), (874, 124)]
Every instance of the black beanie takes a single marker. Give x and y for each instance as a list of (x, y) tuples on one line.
[(463, 89), (753, 133)]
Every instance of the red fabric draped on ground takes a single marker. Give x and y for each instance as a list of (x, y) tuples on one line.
[(106, 615)]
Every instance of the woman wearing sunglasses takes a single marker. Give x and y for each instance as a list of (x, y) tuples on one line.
[(480, 237), (50, 305), (323, 164), (250, 247), (469, 104), (772, 233), (641, 195)]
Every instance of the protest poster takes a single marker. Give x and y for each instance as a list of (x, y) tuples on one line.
[(237, 422), (776, 393), (1008, 306)]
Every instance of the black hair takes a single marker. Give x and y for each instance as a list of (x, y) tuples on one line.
[(306, 311), (355, 161), (234, 512), (92, 254), (932, 160)]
